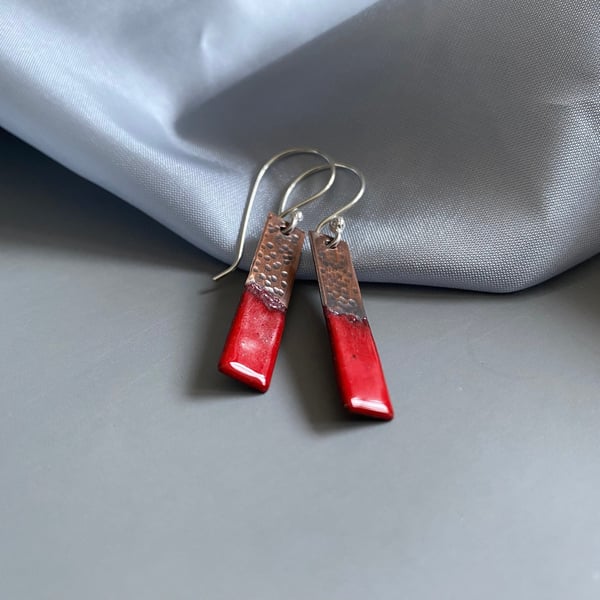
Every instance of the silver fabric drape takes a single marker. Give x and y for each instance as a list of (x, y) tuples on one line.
[(476, 123)]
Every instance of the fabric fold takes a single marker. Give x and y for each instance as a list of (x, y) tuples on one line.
[(477, 125)]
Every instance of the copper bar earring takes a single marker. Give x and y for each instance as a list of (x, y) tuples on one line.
[(356, 361), (253, 341)]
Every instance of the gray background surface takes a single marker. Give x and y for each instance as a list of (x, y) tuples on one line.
[(129, 468)]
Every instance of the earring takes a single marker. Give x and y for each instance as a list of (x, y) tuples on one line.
[(253, 341), (356, 361)]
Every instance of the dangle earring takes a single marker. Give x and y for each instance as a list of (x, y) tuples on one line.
[(253, 341), (356, 361)]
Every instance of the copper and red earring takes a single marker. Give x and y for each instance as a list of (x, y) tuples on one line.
[(255, 335), (356, 361)]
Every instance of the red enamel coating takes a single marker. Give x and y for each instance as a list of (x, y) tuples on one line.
[(253, 342), (357, 364), (358, 367)]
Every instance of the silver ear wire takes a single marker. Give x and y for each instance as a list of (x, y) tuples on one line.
[(335, 220), (294, 210)]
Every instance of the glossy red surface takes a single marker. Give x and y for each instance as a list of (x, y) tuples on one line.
[(358, 367), (253, 342)]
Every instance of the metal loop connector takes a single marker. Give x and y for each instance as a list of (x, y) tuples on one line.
[(335, 220), (282, 213)]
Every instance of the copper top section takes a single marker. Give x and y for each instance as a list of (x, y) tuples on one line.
[(275, 263), (339, 287)]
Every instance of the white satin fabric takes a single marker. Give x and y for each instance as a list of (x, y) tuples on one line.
[(477, 124)]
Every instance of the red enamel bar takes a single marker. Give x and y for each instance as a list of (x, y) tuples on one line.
[(253, 342), (358, 367), (357, 364), (251, 348)]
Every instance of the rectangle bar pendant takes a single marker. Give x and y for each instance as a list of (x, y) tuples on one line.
[(253, 342), (356, 360)]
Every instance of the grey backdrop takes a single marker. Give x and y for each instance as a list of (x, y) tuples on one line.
[(130, 468), (477, 123)]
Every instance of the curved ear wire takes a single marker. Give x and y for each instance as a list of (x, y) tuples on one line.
[(294, 210), (335, 219)]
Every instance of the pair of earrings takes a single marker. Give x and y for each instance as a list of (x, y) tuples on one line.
[(253, 341)]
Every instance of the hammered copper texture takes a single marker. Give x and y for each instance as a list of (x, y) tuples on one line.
[(276, 261), (339, 287)]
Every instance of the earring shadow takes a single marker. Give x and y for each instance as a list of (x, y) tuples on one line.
[(220, 302), (308, 356)]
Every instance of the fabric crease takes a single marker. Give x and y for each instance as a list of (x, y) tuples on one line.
[(477, 124)]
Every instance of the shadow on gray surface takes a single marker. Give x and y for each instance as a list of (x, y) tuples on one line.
[(220, 300), (306, 349)]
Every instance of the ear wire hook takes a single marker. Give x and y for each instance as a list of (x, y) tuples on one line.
[(335, 220), (296, 215)]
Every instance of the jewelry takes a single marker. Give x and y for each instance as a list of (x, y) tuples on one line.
[(253, 342), (356, 361)]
